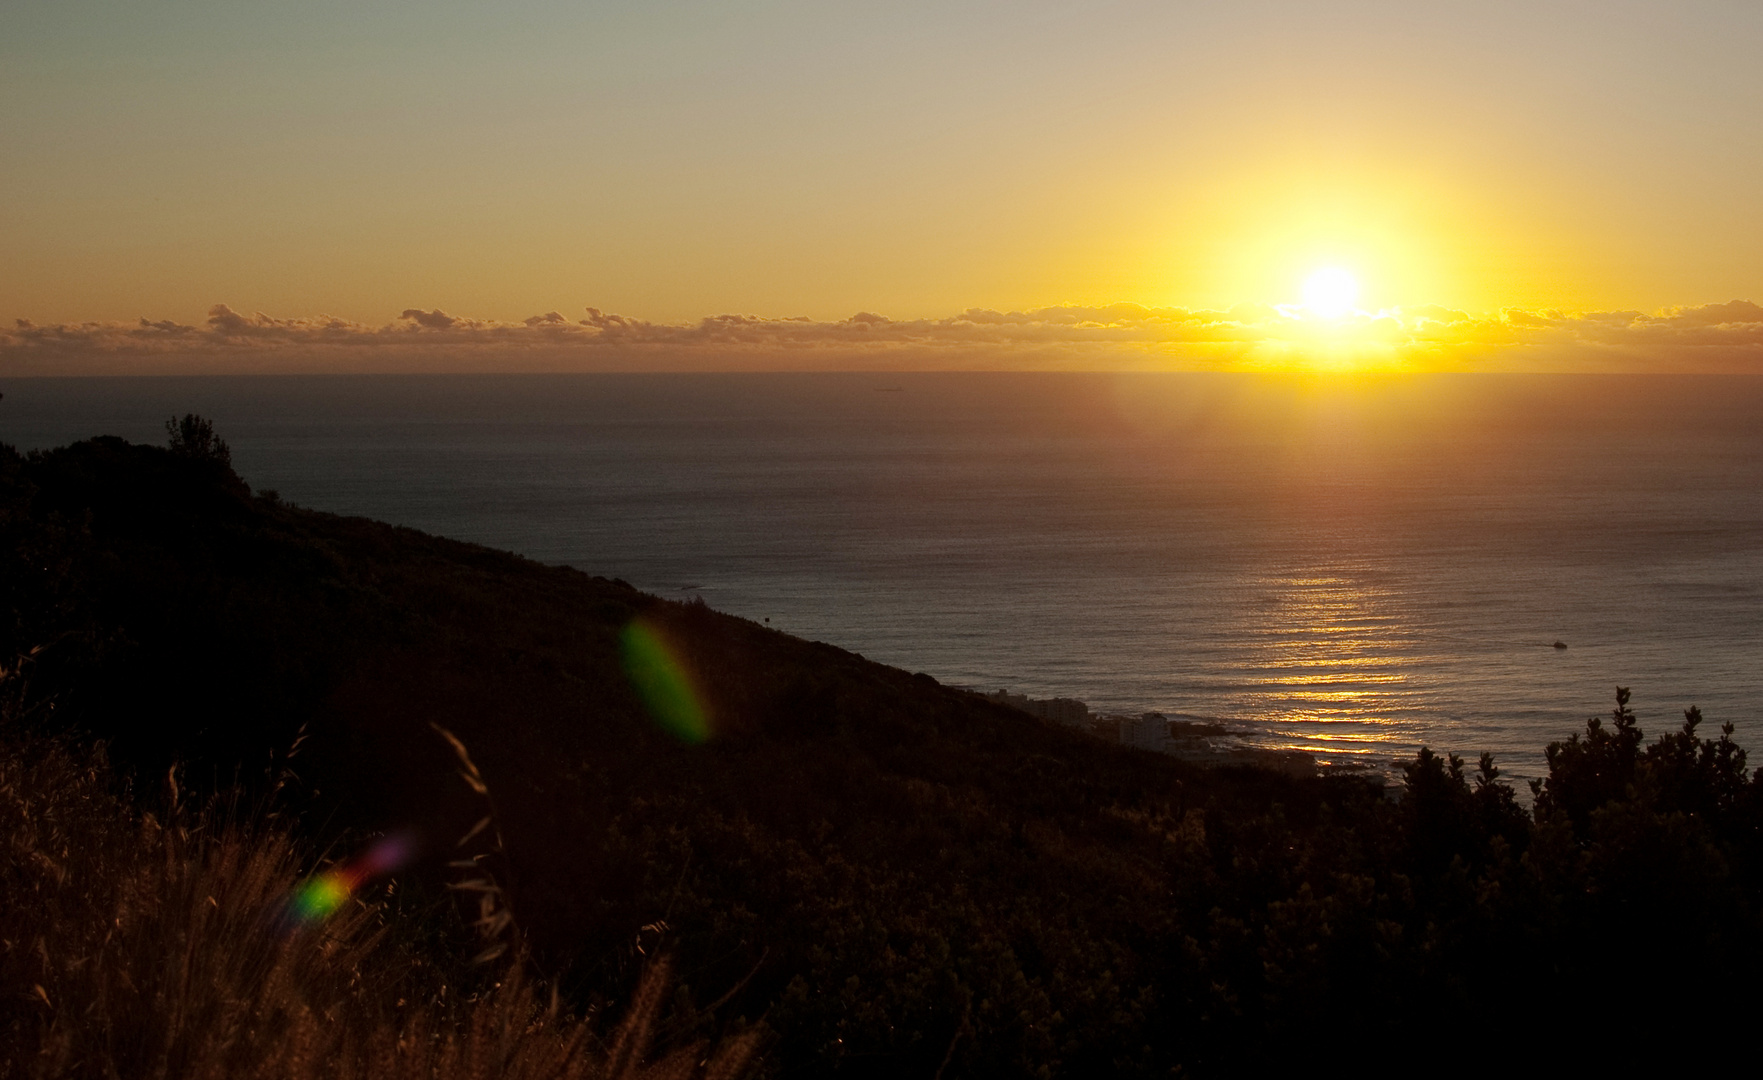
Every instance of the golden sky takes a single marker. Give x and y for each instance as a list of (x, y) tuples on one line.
[(1592, 165)]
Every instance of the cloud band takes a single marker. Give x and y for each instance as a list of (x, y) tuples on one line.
[(1714, 337)]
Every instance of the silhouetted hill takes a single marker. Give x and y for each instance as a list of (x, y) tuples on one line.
[(905, 879)]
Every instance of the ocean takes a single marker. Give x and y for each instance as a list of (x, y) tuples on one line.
[(1353, 567)]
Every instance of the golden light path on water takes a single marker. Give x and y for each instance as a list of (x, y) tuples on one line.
[(1334, 671)]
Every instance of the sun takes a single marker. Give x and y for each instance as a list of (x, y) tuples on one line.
[(1331, 291)]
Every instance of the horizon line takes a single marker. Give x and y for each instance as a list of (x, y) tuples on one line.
[(1713, 337)]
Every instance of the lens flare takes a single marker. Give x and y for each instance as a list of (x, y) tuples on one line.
[(318, 898), (655, 669)]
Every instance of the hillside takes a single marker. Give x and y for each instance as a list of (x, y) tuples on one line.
[(904, 879)]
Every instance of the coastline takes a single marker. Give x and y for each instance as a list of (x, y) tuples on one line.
[(1194, 742)]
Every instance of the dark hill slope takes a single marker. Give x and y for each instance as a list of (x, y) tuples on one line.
[(909, 861), (911, 874)]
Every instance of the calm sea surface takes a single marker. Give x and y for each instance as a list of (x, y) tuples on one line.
[(1351, 568)]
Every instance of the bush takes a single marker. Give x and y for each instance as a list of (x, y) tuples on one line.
[(194, 437), (137, 944)]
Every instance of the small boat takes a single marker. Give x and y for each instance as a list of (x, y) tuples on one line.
[(1560, 644)]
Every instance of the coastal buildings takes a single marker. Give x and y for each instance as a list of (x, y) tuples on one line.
[(1066, 711), (1147, 732), (1199, 743)]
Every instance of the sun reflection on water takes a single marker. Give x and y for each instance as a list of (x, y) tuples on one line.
[(1336, 665)]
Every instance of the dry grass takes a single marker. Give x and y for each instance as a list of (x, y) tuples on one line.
[(142, 946)]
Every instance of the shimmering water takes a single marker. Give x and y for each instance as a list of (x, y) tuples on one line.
[(1353, 568)]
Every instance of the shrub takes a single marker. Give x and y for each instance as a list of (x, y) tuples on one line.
[(153, 945), (194, 437)]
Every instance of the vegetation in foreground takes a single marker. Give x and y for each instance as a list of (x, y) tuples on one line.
[(142, 944), (902, 879)]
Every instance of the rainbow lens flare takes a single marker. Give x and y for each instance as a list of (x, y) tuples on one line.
[(661, 680), (317, 898)]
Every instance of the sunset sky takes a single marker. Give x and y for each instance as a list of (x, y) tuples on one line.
[(1594, 171)]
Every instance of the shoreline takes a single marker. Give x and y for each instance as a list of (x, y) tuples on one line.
[(1194, 742)]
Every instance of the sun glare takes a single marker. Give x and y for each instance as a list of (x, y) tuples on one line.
[(1330, 292)]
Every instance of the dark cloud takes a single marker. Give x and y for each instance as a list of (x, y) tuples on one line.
[(1726, 336), (434, 320)]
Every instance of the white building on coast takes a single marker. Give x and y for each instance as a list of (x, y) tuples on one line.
[(1147, 732)]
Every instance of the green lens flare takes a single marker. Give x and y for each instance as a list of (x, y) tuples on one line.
[(661, 681), (319, 898)]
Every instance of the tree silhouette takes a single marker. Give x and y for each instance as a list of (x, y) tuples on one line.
[(193, 437), (1585, 773)]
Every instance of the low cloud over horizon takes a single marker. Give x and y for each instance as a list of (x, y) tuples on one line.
[(1725, 337)]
